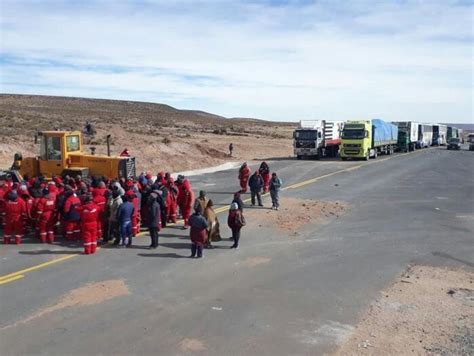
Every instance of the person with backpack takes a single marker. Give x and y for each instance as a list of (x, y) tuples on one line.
[(235, 221)]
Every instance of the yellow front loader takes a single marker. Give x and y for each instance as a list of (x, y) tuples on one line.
[(61, 154)]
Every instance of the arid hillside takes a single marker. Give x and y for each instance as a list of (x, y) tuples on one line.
[(160, 136)]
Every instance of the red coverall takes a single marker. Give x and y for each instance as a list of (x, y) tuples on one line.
[(185, 200), (171, 199), (3, 193), (47, 215), (99, 200), (72, 217), (14, 218), (89, 217), (244, 173)]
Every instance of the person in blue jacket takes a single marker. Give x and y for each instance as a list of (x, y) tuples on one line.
[(256, 185), (124, 217)]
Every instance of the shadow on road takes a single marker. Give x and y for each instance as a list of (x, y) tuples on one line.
[(50, 252), (448, 256), (164, 255), (178, 246)]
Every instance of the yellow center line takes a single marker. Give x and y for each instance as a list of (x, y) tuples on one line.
[(19, 274), (11, 279)]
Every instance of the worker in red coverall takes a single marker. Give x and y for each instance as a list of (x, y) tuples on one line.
[(160, 178), (185, 199), (98, 197), (171, 200), (132, 197), (72, 215), (14, 218), (244, 174), (24, 194), (89, 216), (3, 196), (264, 171), (47, 215), (125, 153)]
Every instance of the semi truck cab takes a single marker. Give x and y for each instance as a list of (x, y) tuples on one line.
[(356, 140), (306, 142)]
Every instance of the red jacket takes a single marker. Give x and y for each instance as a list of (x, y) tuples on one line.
[(244, 173), (46, 207), (89, 215), (15, 211), (72, 208)]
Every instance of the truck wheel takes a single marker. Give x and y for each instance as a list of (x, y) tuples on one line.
[(344, 158), (375, 154), (298, 157)]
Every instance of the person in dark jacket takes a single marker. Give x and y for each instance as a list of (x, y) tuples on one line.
[(198, 233), (237, 199), (235, 221), (154, 220), (256, 185), (275, 185), (124, 217)]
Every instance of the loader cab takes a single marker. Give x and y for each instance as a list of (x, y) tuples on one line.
[(55, 149)]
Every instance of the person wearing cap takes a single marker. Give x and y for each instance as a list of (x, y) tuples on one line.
[(235, 221), (264, 171), (72, 215), (14, 218), (275, 185), (244, 173), (256, 185), (89, 218), (198, 233), (47, 214)]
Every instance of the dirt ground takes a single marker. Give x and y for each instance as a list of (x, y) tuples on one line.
[(93, 293), (427, 311), (159, 136), (295, 213)]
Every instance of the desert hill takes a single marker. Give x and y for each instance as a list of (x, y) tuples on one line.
[(160, 136)]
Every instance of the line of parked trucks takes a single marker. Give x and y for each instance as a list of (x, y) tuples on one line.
[(367, 139)]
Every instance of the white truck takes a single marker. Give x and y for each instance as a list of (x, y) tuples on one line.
[(317, 138)]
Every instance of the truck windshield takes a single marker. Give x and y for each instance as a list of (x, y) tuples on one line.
[(353, 134), (306, 134)]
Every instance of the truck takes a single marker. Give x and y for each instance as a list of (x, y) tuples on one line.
[(367, 139), (407, 135), (317, 138), (61, 154), (440, 134), (452, 132), (425, 135)]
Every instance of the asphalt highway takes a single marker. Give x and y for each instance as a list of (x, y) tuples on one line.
[(302, 297)]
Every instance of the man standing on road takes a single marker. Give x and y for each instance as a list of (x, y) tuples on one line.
[(89, 225), (235, 221), (275, 185), (154, 217), (256, 184), (198, 232), (124, 216)]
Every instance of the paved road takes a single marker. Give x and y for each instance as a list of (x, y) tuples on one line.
[(414, 208)]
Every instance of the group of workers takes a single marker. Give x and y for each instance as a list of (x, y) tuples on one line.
[(90, 210)]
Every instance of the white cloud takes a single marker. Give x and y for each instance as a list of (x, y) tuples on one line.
[(410, 60)]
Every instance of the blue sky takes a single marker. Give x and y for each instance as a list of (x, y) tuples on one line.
[(276, 60)]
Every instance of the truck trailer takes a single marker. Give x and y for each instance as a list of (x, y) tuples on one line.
[(368, 139), (407, 135), (317, 138), (440, 134), (425, 135)]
